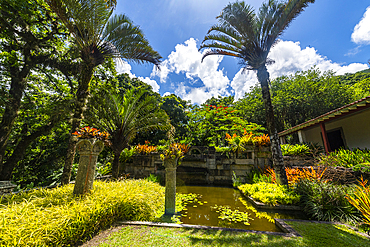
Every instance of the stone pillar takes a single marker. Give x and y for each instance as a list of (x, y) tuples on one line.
[(170, 192), (89, 150)]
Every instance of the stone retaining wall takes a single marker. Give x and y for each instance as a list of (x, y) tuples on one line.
[(203, 165), (6, 187)]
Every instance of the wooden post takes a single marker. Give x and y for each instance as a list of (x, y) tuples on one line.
[(325, 138)]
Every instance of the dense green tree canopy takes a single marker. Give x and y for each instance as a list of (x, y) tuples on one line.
[(208, 124), (305, 95), (30, 37)]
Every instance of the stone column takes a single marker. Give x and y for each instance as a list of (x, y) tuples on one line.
[(170, 192), (89, 150)]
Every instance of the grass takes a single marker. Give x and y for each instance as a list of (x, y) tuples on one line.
[(320, 235)]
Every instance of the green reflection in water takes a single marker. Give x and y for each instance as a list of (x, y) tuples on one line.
[(200, 211)]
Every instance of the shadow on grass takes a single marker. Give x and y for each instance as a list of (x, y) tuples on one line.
[(228, 238)]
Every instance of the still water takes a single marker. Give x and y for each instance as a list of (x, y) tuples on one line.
[(203, 212)]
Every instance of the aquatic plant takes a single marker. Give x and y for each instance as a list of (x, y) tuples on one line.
[(232, 216)]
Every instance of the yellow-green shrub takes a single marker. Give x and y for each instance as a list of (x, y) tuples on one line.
[(57, 218), (269, 193)]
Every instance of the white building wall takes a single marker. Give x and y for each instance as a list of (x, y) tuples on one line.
[(356, 130)]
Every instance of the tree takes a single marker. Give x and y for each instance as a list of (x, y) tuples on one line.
[(243, 34), (29, 36), (224, 101), (124, 117), (209, 124), (98, 35), (303, 96)]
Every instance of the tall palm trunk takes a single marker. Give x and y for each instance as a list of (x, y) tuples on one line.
[(115, 164), (277, 156), (80, 106)]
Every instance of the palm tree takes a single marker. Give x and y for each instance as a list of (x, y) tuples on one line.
[(249, 36), (98, 35), (124, 117)]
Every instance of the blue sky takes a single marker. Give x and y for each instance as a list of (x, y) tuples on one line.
[(331, 34)]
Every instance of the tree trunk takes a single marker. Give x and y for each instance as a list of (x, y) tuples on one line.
[(20, 151), (80, 106), (115, 164), (277, 156), (17, 87)]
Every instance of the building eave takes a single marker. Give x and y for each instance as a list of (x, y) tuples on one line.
[(343, 111)]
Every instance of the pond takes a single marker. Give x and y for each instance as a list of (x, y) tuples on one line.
[(213, 201)]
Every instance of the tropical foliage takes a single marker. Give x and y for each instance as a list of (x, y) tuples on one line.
[(347, 158), (269, 193), (124, 117), (325, 201), (54, 217), (209, 124), (98, 35), (295, 150), (243, 34), (296, 174), (175, 151), (361, 200)]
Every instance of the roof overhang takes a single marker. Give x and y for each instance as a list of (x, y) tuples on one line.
[(343, 111)]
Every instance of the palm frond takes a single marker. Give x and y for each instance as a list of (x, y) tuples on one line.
[(129, 40), (241, 33), (85, 19), (290, 11)]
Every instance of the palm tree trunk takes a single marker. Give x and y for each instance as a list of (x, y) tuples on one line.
[(80, 106), (115, 164), (277, 156)]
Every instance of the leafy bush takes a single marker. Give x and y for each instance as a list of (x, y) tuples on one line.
[(270, 193), (325, 201), (346, 158), (236, 180), (127, 154), (153, 178), (258, 175), (295, 150), (57, 218), (362, 167), (361, 200)]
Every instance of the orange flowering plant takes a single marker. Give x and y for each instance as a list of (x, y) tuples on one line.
[(89, 132), (145, 149), (296, 174)]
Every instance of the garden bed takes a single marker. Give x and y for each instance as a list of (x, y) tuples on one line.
[(260, 205)]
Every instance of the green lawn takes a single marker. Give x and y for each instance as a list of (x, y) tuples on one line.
[(320, 235)]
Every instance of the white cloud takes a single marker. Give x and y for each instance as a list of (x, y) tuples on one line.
[(123, 67), (289, 58), (186, 60), (196, 95), (361, 32), (150, 82)]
